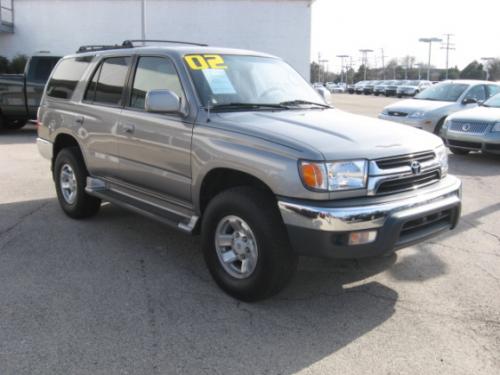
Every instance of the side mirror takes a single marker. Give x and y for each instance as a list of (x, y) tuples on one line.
[(469, 101), (325, 94), (162, 101)]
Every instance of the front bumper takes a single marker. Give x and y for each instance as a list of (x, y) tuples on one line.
[(44, 148), (321, 228), (419, 123), (487, 142)]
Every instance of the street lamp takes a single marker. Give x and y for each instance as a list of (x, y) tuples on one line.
[(429, 41), (486, 67), (364, 53), (342, 57)]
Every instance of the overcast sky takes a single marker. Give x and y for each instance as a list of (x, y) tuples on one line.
[(344, 27)]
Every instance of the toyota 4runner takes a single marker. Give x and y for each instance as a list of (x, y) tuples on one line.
[(237, 146)]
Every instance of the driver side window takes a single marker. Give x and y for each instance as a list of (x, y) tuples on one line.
[(477, 92)]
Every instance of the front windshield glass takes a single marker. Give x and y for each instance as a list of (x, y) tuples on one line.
[(446, 92), (229, 79), (494, 101), (412, 83)]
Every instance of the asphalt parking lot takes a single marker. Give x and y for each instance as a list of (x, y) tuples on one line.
[(120, 294)]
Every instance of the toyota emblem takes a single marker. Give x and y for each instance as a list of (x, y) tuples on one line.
[(416, 168), (465, 127)]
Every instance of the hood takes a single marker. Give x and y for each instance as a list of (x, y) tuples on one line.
[(487, 114), (330, 133), (414, 105)]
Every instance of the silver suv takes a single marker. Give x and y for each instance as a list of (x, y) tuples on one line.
[(237, 146)]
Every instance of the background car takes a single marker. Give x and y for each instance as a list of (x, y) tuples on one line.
[(391, 89), (359, 87), (411, 88), (368, 88), (476, 129), (429, 109), (380, 88)]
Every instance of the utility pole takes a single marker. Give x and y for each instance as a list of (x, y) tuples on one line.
[(143, 19), (364, 54), (342, 57), (429, 41), (449, 46), (324, 65), (383, 63), (486, 66), (419, 70)]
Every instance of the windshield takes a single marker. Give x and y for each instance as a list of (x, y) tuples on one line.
[(446, 92), (224, 80), (494, 101)]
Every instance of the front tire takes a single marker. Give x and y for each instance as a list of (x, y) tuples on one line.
[(70, 175), (242, 225)]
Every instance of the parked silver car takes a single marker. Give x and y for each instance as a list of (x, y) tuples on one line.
[(381, 87), (429, 109), (411, 88), (476, 129)]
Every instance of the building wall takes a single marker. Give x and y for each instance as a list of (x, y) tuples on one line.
[(279, 27)]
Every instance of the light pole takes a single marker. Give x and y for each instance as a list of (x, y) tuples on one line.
[(324, 64), (419, 70), (429, 41), (342, 57), (364, 53), (486, 67), (143, 19)]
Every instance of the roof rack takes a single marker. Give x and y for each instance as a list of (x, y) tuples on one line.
[(98, 47), (130, 43)]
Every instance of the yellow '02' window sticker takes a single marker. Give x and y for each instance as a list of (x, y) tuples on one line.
[(202, 62)]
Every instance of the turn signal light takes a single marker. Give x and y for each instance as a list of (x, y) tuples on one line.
[(362, 237), (313, 175)]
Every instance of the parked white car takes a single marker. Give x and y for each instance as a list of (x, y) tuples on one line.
[(428, 110)]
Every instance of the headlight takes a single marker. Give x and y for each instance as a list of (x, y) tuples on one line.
[(446, 124), (335, 176), (496, 127), (442, 156), (417, 115)]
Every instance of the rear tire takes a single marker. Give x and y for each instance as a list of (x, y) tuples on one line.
[(256, 212), (70, 175), (459, 151)]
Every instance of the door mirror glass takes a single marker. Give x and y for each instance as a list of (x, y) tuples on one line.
[(469, 101), (162, 101)]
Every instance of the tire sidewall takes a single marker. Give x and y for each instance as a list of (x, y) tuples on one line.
[(268, 258), (67, 156)]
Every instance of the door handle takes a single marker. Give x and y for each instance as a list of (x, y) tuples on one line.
[(79, 120)]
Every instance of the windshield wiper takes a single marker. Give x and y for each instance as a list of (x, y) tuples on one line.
[(252, 106), (300, 101)]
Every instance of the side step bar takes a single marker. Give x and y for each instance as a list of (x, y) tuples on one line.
[(162, 211)]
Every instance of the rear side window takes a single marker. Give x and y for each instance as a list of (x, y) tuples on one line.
[(40, 68), (154, 73), (106, 86), (66, 77)]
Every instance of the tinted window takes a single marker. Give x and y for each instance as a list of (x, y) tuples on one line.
[(110, 81), (154, 73), (477, 92), (40, 68), (493, 90), (66, 77)]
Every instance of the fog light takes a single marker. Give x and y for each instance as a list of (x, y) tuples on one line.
[(360, 238)]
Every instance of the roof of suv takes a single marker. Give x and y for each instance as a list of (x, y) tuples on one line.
[(176, 50)]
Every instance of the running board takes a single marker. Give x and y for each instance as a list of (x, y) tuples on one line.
[(162, 211)]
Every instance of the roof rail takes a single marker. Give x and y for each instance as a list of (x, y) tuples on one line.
[(130, 43), (98, 47)]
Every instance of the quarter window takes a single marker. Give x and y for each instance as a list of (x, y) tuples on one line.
[(66, 77), (106, 86), (477, 92), (154, 73)]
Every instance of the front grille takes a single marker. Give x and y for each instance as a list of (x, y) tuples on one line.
[(405, 160), (397, 114), (469, 127), (472, 145), (408, 183), (426, 225)]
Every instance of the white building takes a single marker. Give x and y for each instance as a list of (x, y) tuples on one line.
[(279, 27)]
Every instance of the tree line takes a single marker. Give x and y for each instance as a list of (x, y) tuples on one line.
[(406, 68)]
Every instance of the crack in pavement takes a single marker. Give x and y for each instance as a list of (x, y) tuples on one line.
[(22, 218)]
